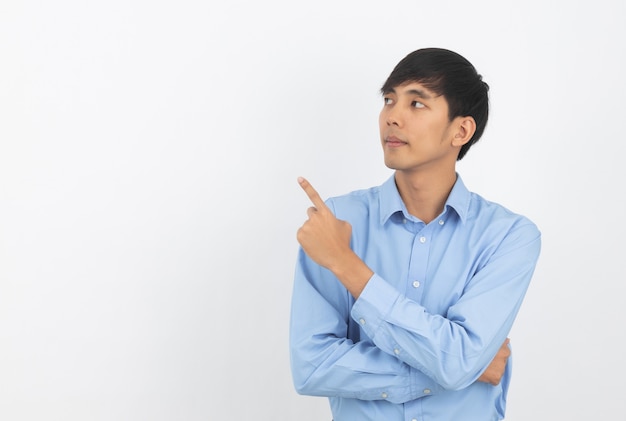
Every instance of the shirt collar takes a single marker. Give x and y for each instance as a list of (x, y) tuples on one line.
[(391, 202)]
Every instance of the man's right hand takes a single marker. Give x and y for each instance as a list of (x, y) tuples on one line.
[(493, 374)]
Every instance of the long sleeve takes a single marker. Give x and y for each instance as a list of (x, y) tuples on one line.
[(454, 348), (442, 300), (327, 361)]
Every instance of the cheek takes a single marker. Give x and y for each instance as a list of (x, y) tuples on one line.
[(381, 124), (381, 120)]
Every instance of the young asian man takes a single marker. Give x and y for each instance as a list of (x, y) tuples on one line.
[(405, 293)]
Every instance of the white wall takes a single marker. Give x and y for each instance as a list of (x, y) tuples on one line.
[(148, 199)]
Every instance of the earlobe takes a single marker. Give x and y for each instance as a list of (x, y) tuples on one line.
[(465, 130)]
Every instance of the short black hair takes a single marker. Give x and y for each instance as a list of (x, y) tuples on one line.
[(449, 74)]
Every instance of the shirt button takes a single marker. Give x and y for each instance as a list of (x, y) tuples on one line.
[(422, 240), (414, 419), (416, 284), (396, 351), (362, 321), (384, 395), (441, 222), (427, 391), (404, 220)]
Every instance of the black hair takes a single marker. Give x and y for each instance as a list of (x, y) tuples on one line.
[(446, 73)]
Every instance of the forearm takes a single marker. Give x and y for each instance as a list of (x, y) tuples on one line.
[(454, 327), (329, 357), (352, 272), (453, 349), (360, 371)]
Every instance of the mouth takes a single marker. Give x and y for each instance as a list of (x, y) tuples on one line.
[(394, 142)]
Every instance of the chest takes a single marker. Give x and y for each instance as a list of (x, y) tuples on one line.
[(430, 264)]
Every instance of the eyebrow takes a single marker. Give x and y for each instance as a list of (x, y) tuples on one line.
[(417, 92)]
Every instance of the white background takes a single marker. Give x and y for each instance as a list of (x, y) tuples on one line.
[(149, 152)]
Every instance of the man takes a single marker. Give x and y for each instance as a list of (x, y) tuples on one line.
[(404, 294)]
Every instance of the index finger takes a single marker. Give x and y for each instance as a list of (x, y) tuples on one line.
[(312, 193)]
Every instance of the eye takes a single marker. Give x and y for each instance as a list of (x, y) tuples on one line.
[(387, 101), (417, 104)]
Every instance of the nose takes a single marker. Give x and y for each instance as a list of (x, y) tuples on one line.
[(393, 117)]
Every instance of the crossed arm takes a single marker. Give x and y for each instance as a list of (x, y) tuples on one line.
[(326, 240)]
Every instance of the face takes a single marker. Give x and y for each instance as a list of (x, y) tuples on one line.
[(415, 130)]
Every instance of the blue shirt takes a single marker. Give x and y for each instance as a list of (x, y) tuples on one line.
[(440, 304)]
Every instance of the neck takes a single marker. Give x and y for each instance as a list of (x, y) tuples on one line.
[(425, 194)]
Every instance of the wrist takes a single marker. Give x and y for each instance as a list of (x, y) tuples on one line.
[(352, 272)]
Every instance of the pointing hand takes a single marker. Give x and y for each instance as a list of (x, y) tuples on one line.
[(324, 238)]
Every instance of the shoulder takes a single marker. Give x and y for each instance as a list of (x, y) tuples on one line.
[(499, 221), (355, 203)]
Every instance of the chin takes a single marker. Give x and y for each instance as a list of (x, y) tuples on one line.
[(392, 164)]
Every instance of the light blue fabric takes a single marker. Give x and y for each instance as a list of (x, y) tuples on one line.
[(430, 320)]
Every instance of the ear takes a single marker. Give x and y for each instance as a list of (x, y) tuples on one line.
[(465, 128)]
